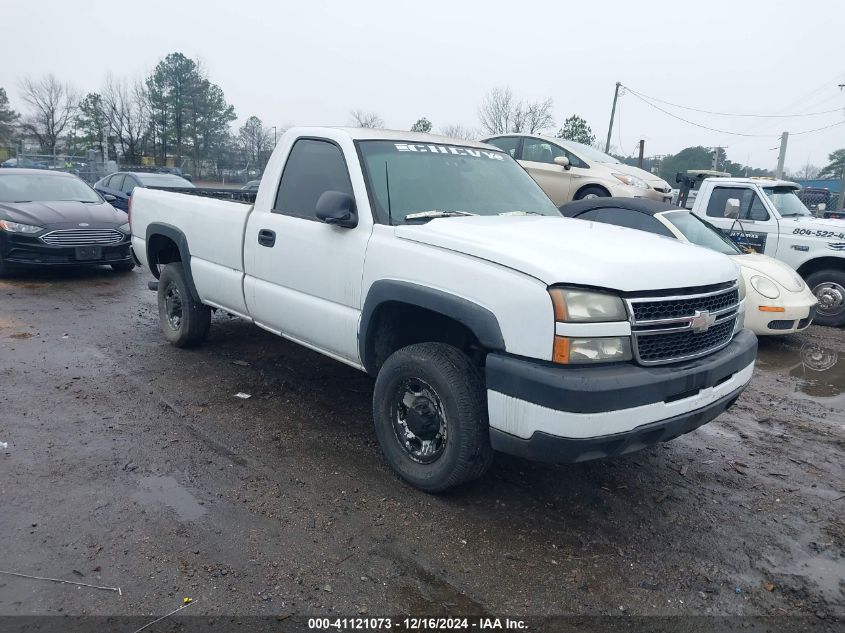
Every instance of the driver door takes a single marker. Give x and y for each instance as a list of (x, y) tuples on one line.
[(756, 227), (303, 276)]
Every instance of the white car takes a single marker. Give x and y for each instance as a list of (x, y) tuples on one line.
[(777, 300), (439, 267)]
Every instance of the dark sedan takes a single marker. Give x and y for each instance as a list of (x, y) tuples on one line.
[(54, 218), (122, 184)]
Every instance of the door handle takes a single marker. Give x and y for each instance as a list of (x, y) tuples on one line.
[(266, 237)]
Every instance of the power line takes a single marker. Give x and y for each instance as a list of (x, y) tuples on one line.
[(736, 114), (713, 129)]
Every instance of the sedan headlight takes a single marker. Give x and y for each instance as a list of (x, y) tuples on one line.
[(633, 181), (125, 228), (17, 227), (765, 287), (586, 306)]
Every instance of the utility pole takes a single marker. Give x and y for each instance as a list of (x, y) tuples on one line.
[(642, 151), (781, 154), (612, 115), (841, 204)]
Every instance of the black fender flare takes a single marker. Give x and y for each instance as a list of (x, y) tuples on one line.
[(178, 238), (477, 319)]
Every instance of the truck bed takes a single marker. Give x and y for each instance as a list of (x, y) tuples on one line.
[(219, 193), (213, 229)]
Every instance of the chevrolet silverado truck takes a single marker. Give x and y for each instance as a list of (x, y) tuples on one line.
[(439, 267), (767, 216)]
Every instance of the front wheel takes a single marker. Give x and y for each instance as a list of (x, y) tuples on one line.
[(431, 418), (591, 192), (184, 321), (829, 288)]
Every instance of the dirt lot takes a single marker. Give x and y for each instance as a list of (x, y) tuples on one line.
[(132, 464)]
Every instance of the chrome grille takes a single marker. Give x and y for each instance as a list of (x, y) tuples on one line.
[(83, 237), (671, 329)]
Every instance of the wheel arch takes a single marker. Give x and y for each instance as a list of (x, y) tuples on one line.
[(821, 263), (167, 244), (411, 311)]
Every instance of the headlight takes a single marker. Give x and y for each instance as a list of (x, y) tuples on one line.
[(591, 350), (125, 228), (17, 227), (586, 306), (633, 181), (765, 287)]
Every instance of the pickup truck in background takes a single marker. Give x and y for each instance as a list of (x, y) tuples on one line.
[(767, 216), (439, 267)]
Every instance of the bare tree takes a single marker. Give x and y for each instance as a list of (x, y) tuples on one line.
[(360, 118), (500, 113), (52, 108), (127, 109), (459, 131), (255, 142), (497, 111)]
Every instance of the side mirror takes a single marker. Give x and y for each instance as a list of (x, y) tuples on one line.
[(338, 209), (732, 208), (109, 198), (563, 161)]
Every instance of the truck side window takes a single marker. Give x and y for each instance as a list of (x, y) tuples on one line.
[(312, 168), (750, 205)]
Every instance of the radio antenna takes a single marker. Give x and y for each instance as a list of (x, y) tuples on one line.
[(387, 185)]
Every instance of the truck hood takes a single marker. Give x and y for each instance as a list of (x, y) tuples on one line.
[(770, 267), (62, 214), (564, 250)]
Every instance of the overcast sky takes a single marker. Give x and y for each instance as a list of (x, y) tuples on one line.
[(312, 61)]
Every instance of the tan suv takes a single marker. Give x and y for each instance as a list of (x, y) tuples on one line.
[(568, 171)]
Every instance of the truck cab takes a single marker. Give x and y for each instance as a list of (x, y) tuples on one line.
[(766, 215)]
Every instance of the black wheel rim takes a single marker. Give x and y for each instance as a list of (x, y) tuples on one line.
[(419, 421), (173, 306), (831, 298)]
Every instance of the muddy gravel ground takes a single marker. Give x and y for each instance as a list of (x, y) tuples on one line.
[(126, 462)]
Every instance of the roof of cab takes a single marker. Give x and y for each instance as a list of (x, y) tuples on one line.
[(373, 134), (642, 205)]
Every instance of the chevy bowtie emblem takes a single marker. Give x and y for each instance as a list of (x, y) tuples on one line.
[(702, 320), (84, 224)]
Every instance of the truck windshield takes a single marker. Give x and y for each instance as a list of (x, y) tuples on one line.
[(786, 202), (701, 233), (451, 179)]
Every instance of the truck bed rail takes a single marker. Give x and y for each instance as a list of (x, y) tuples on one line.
[(234, 195)]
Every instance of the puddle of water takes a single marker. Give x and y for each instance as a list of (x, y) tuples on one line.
[(819, 370), (827, 574), (167, 491)]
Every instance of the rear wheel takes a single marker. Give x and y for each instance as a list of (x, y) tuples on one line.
[(430, 417), (591, 192), (184, 321), (829, 288)]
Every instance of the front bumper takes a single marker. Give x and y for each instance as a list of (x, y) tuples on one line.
[(627, 191), (569, 414), (28, 250), (799, 309)]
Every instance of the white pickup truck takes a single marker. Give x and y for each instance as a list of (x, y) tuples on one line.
[(767, 215), (439, 267)]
